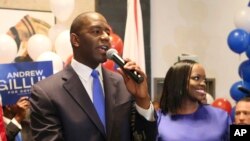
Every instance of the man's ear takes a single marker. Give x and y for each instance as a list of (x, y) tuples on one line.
[(74, 40), (7, 107)]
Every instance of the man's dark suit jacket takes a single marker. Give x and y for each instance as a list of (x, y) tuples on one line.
[(12, 130), (62, 110)]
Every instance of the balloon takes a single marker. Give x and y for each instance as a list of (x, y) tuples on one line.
[(242, 19), (244, 70), (209, 98), (38, 44), (223, 104), (116, 43), (62, 9), (248, 52), (8, 49), (63, 46), (232, 115), (55, 30), (238, 40), (51, 56), (109, 64), (235, 93)]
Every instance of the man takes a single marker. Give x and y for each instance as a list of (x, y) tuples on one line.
[(62, 106), (156, 105), (242, 111), (16, 120)]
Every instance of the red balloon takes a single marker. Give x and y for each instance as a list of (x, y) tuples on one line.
[(116, 43), (109, 64), (223, 104)]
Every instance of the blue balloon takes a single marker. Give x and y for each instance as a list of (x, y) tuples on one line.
[(244, 70), (235, 93), (232, 114), (248, 52), (238, 40)]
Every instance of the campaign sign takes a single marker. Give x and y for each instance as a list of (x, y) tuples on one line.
[(16, 79), (239, 132)]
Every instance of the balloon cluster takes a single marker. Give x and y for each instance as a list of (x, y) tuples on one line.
[(239, 42), (116, 43), (58, 33), (55, 46)]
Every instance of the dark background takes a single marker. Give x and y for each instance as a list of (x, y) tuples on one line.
[(115, 12)]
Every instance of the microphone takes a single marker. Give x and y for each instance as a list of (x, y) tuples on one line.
[(112, 54)]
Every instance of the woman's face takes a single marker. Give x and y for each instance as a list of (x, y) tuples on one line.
[(197, 83)]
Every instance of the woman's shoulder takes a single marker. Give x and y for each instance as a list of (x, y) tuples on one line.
[(215, 112), (212, 109)]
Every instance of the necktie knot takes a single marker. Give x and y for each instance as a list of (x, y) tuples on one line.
[(95, 74)]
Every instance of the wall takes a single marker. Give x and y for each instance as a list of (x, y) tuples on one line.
[(81, 6), (197, 27)]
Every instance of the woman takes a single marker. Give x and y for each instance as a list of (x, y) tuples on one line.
[(182, 117)]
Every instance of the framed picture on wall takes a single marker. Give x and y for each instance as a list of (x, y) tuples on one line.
[(12, 17), (22, 24)]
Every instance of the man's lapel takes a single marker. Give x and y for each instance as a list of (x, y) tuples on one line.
[(78, 93)]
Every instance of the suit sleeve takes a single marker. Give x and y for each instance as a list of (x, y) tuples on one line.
[(142, 129), (11, 131), (45, 124)]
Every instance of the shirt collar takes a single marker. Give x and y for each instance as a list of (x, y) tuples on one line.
[(84, 71)]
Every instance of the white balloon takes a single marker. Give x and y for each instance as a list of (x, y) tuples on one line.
[(62, 9), (38, 44), (209, 98), (63, 46), (8, 49), (55, 30), (242, 19), (51, 56)]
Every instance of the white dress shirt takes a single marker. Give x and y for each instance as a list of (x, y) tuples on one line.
[(13, 120), (84, 73)]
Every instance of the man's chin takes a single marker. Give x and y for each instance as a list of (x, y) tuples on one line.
[(242, 124)]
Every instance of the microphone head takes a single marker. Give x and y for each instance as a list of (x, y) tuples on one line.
[(110, 53)]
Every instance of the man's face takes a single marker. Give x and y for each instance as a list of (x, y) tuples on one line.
[(94, 40), (242, 113)]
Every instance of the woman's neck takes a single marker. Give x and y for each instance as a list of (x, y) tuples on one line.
[(188, 107)]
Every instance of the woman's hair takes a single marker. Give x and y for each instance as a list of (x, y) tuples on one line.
[(175, 86)]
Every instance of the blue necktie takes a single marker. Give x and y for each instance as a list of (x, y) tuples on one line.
[(98, 97), (18, 136)]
